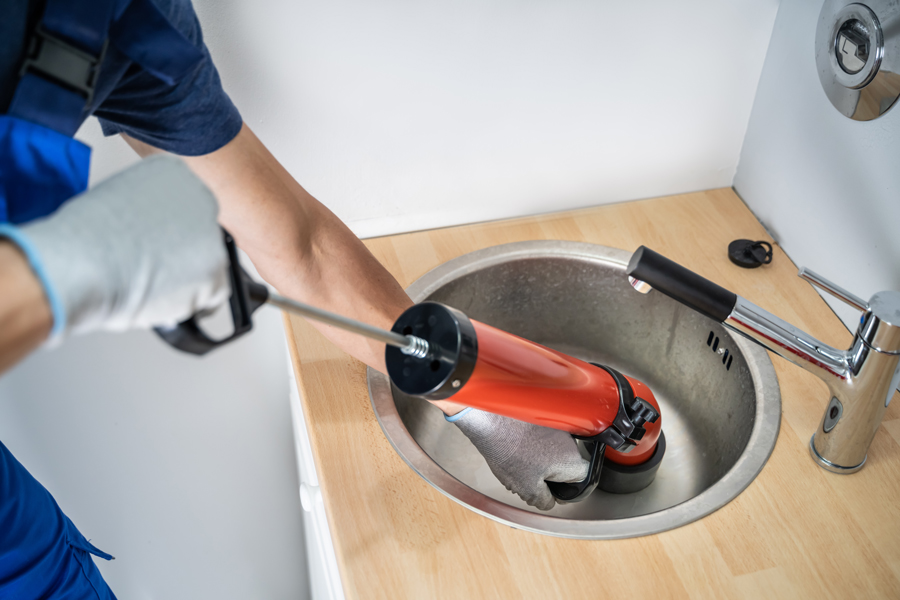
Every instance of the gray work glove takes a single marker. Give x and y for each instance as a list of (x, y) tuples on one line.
[(140, 249), (521, 455)]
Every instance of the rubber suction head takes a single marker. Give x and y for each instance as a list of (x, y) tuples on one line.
[(627, 479)]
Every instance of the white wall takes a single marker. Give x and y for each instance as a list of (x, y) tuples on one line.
[(411, 115), (399, 116), (826, 186), (182, 468)]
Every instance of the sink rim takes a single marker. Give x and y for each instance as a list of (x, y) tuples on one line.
[(766, 423)]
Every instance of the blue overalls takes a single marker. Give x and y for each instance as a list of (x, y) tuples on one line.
[(42, 553)]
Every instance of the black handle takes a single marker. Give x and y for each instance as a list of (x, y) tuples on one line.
[(246, 296), (578, 491), (682, 284)]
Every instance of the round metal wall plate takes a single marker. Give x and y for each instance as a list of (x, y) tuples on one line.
[(858, 56)]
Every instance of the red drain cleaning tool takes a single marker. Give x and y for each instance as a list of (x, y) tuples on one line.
[(477, 365), (438, 353)]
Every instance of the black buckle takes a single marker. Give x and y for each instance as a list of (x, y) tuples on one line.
[(627, 427), (62, 63)]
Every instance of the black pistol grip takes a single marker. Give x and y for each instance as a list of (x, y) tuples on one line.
[(246, 296)]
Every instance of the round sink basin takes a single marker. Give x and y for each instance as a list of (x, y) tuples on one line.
[(721, 406)]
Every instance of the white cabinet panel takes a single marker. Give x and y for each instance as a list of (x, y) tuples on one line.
[(324, 577)]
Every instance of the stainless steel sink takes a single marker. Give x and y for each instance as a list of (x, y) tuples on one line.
[(720, 400)]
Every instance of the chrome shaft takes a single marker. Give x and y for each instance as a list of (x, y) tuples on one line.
[(833, 289), (408, 344)]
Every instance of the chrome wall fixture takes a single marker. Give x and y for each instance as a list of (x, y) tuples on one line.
[(858, 56)]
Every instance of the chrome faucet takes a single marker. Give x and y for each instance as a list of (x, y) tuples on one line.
[(861, 380)]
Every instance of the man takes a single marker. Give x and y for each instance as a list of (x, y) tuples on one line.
[(160, 101)]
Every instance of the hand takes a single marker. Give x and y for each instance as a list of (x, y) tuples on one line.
[(142, 248), (522, 456)]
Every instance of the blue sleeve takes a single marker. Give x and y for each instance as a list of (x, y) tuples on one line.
[(191, 118)]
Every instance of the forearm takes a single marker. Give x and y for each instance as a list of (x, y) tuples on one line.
[(25, 317)]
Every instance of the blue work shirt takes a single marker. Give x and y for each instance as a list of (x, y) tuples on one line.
[(42, 553)]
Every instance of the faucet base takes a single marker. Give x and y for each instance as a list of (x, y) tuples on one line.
[(830, 466)]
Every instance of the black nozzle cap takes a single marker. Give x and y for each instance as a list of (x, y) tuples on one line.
[(682, 284), (453, 351)]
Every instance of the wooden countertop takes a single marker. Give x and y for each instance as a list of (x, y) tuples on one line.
[(796, 532)]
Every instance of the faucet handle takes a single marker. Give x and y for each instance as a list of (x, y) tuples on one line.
[(835, 290)]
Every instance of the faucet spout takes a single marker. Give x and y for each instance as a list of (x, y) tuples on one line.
[(789, 342)]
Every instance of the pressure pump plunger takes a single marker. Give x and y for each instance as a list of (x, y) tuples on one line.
[(477, 365)]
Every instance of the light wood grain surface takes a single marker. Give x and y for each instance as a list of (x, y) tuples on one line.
[(796, 532)]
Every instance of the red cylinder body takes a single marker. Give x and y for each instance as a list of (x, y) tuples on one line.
[(523, 380)]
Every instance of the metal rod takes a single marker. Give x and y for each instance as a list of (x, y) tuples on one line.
[(408, 344), (834, 289)]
